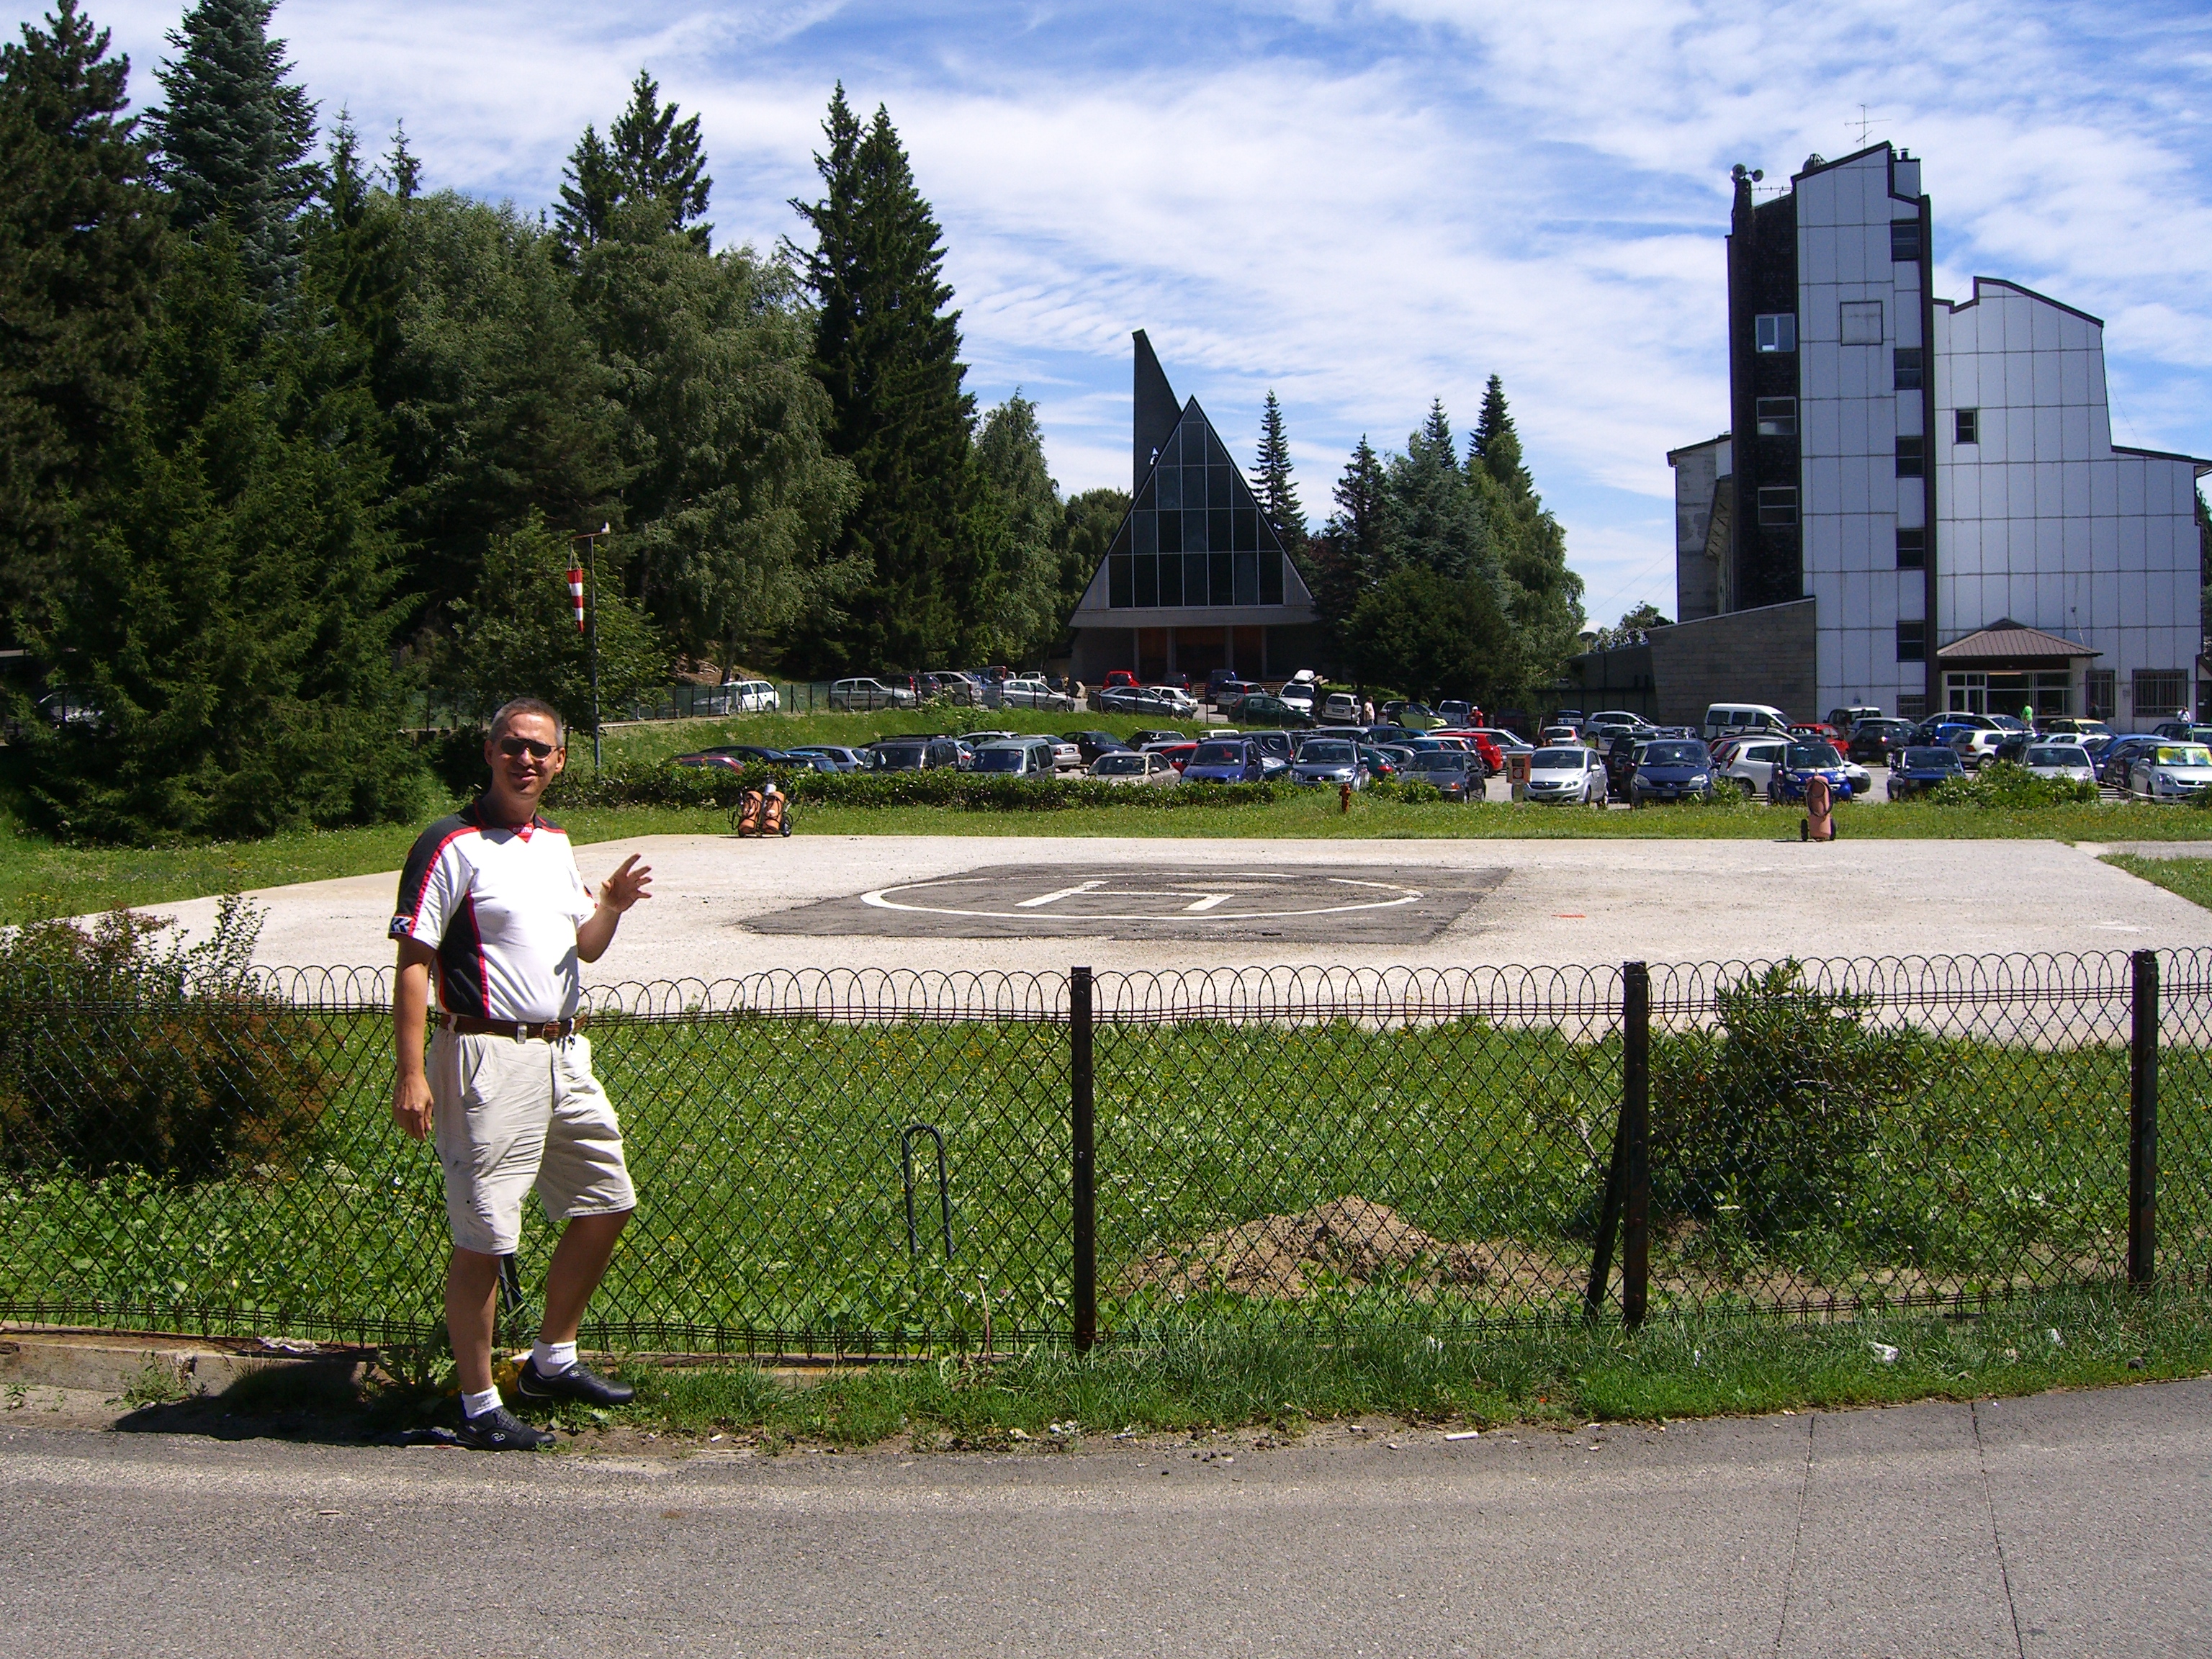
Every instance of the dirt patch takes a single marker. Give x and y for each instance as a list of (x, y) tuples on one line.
[(1345, 1242)]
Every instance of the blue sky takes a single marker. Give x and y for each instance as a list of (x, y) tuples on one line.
[(1365, 206)]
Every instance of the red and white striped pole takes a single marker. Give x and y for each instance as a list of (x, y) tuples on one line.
[(576, 594)]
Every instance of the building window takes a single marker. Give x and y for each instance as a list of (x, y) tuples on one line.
[(1912, 457), (1966, 426), (2159, 692), (1777, 332), (1912, 641), (1909, 360), (1777, 504), (2100, 692), (1911, 548), (1913, 707), (1777, 417), (1905, 239), (1862, 322)]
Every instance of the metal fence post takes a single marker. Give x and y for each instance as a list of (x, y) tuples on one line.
[(1634, 1134), (2142, 1124), (1082, 1192)]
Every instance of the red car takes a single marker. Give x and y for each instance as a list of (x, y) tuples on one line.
[(1119, 677), (1176, 755), (1493, 757)]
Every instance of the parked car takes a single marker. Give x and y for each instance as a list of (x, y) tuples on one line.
[(1801, 763), (1493, 757), (1091, 745), (1671, 769), (1120, 677), (1383, 763), (1873, 742), (2118, 756), (951, 685), (1567, 772), (1145, 737), (1330, 760), (2063, 725), (1415, 716), (1215, 680), (1729, 720), (1030, 691), (1027, 757), (1921, 768), (1977, 747), (920, 754), (1458, 711), (1280, 746), (2183, 731), (1127, 766), (1176, 755), (840, 757), (1506, 742), (747, 697), (1848, 721), (1260, 709), (1162, 701), (1225, 760), (1302, 688), (1620, 750), (978, 739), (1611, 720), (2059, 760), (1455, 771), (66, 705), (1339, 706), (1231, 692), (1751, 763), (1552, 736), (2171, 771), (863, 695)]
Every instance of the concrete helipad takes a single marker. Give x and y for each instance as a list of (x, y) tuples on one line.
[(723, 908)]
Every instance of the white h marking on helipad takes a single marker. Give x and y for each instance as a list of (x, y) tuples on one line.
[(1065, 892), (1207, 902)]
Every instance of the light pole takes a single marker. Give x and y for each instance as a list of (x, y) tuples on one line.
[(591, 540)]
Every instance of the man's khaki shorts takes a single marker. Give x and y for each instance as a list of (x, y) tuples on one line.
[(513, 1115)]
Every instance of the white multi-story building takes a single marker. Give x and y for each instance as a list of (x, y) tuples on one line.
[(1937, 477)]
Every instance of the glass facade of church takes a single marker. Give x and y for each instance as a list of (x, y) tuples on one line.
[(1195, 536)]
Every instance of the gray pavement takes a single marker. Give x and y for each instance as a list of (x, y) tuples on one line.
[(2062, 1524), (1535, 903)]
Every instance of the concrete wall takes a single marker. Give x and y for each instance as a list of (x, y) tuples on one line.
[(1698, 468), (1767, 655)]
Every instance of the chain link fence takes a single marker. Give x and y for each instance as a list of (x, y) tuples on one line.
[(869, 1162)]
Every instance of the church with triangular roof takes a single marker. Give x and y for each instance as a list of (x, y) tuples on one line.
[(1196, 577)]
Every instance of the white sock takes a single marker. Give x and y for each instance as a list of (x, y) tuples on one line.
[(476, 1404), (551, 1358)]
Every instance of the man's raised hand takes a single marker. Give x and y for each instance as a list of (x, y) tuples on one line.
[(627, 885)]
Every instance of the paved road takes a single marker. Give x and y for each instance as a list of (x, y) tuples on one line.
[(1552, 902), (2062, 1525)]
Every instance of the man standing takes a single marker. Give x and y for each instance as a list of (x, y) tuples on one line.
[(491, 905)]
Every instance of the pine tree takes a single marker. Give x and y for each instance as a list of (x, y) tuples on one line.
[(236, 138), (1541, 595), (1350, 554), (1433, 518), (650, 162), (1496, 446), (1020, 609), (888, 349), (1270, 480), (401, 167), (81, 237)]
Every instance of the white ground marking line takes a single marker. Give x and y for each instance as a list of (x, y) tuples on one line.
[(882, 898), (1055, 898)]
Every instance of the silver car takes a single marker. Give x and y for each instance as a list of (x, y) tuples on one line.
[(2171, 771), (1567, 772), (2060, 760)]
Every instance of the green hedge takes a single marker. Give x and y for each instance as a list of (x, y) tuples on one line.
[(715, 786), (2004, 785)]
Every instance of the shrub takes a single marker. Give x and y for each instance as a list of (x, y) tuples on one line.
[(117, 1053), (1766, 1122), (648, 784), (2001, 785)]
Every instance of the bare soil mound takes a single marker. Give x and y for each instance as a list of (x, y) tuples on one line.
[(1345, 1242)]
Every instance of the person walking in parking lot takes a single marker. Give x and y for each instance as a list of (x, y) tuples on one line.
[(492, 908)]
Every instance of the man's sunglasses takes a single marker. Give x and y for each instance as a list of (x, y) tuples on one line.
[(512, 747)]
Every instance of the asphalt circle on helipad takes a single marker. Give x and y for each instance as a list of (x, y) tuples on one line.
[(1308, 903)]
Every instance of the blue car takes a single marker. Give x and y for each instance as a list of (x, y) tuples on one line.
[(1225, 760), (1671, 769), (1921, 768), (1801, 763)]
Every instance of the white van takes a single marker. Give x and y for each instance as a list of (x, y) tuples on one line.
[(1730, 720)]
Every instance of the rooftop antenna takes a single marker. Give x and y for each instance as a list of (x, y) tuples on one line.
[(1865, 125)]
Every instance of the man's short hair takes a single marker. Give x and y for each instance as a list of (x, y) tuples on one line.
[(507, 711)]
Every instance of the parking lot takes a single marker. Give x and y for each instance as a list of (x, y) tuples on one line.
[(725, 908)]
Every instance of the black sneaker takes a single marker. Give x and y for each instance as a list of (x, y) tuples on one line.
[(579, 1382), (500, 1429)]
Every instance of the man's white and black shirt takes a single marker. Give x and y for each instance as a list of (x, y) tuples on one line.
[(500, 904)]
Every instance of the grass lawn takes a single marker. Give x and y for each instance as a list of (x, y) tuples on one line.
[(2190, 878)]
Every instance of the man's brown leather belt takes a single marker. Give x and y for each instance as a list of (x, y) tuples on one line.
[(551, 1030)]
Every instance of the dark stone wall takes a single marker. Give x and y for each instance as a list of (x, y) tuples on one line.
[(1765, 656)]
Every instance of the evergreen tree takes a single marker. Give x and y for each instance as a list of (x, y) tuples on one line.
[(1433, 518), (401, 167), (231, 618), (1270, 480), (81, 234), (1432, 635), (888, 349), (236, 137), (1542, 597), (648, 161), (1087, 523), (1351, 554), (1020, 613)]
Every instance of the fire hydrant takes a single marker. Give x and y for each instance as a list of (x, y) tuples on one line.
[(1343, 798), (1819, 823)]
